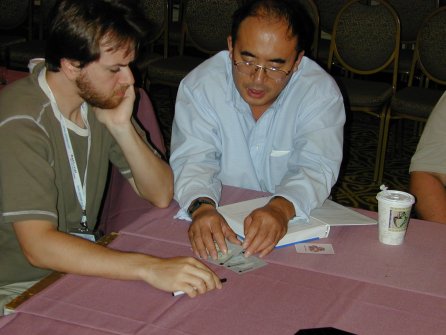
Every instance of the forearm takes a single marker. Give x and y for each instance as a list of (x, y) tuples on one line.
[(306, 189), (48, 248), (195, 175), (152, 176), (314, 167), (430, 193)]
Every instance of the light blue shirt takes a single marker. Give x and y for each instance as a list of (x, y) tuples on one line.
[(294, 150)]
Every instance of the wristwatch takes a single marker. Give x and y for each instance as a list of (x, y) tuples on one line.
[(194, 205)]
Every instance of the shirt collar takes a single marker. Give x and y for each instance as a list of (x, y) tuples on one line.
[(47, 90)]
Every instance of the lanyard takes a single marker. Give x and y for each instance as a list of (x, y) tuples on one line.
[(81, 188)]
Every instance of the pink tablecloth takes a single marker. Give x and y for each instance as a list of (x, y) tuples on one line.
[(12, 75), (418, 265), (365, 288), (275, 299)]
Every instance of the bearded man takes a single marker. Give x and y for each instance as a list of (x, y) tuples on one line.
[(59, 129)]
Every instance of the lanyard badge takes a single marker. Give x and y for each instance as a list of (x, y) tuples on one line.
[(81, 192), (81, 188)]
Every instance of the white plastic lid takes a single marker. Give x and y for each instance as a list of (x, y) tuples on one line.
[(396, 197)]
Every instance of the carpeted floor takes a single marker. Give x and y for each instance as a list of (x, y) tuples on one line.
[(355, 186)]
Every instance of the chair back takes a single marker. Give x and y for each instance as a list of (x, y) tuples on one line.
[(328, 9), (207, 23), (313, 12), (44, 11), (430, 48), (366, 38), (13, 13), (156, 13), (412, 14)]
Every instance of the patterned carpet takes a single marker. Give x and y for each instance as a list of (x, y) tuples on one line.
[(355, 186)]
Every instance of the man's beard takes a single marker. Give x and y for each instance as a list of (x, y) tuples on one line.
[(92, 97)]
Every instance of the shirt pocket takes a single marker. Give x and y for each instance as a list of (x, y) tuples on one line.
[(279, 153), (278, 164)]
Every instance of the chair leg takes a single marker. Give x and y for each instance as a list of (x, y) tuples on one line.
[(385, 136), (376, 174)]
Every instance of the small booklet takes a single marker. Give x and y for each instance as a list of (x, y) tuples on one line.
[(299, 230)]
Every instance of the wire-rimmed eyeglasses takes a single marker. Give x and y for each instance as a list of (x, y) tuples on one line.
[(250, 68)]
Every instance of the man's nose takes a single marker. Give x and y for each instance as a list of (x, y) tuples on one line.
[(127, 77), (260, 73)]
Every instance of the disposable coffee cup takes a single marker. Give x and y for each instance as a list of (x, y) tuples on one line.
[(33, 62), (393, 215)]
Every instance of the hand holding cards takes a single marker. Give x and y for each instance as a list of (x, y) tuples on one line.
[(235, 259)]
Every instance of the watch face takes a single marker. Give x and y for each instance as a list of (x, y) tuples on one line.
[(193, 206), (197, 203)]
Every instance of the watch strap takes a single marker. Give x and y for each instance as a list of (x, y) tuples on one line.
[(195, 204)]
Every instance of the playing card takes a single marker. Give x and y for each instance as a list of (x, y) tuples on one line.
[(235, 259), (314, 248)]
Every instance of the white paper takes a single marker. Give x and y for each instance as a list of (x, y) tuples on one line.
[(299, 230), (337, 215)]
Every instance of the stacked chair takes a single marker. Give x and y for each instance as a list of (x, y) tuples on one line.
[(205, 26), (328, 9), (428, 70), (313, 12), (156, 13), (20, 53), (365, 42), (412, 14), (15, 25)]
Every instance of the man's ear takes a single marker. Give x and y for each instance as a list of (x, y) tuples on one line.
[(70, 68), (230, 45), (298, 60)]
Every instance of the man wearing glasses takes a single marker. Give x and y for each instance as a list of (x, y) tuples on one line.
[(260, 116)]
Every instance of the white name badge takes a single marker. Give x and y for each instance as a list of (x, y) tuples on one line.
[(87, 236)]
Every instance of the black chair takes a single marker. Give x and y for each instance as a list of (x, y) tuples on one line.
[(15, 25), (366, 41), (19, 54), (206, 26), (412, 14), (417, 102), (328, 9), (156, 12), (313, 12)]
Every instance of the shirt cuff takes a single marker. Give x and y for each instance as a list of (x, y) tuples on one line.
[(182, 215)]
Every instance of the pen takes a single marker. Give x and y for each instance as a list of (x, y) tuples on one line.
[(177, 293)]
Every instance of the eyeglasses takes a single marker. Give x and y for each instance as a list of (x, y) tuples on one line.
[(250, 68)]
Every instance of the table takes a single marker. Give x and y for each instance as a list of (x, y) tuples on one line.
[(365, 287), (13, 75)]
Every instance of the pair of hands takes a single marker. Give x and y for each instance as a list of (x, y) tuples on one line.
[(263, 229)]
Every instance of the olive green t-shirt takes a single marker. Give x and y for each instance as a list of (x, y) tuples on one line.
[(35, 177)]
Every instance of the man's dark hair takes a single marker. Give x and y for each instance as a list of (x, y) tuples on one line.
[(77, 29), (290, 11)]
